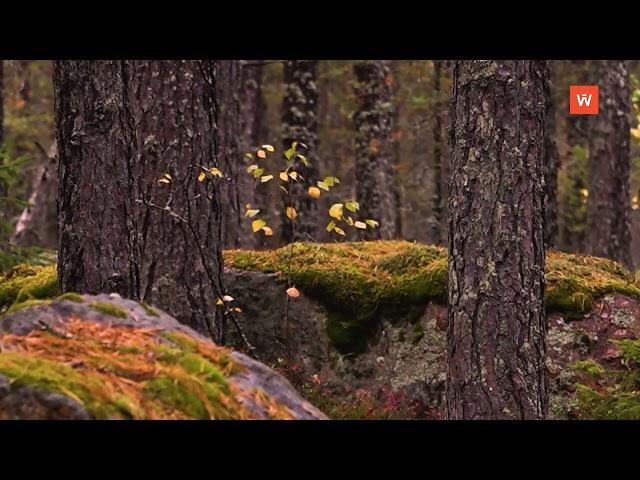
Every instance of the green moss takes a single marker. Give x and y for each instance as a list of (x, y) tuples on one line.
[(358, 281), (109, 309), (72, 297), (574, 281), (123, 372), (149, 309), (27, 304), (58, 377), (27, 282)]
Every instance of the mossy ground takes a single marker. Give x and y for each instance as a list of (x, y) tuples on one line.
[(358, 280), (610, 393), (123, 372)]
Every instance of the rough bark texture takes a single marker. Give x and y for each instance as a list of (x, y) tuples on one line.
[(374, 157), (608, 224), (551, 163), (300, 123), (572, 235), (436, 229), (38, 223), (238, 102), (496, 329), (120, 125)]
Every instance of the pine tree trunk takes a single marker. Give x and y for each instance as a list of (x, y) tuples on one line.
[(551, 162), (374, 156), (300, 123), (238, 189), (120, 126), (574, 218), (436, 231), (609, 166), (497, 327)]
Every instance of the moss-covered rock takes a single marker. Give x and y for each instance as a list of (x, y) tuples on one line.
[(119, 362), (27, 282), (358, 280)]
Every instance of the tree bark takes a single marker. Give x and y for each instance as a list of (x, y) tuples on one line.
[(574, 218), (436, 229), (551, 163), (237, 97), (497, 328), (374, 156), (300, 123), (120, 126), (608, 224)]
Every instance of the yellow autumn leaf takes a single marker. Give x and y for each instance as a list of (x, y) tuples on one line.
[(215, 172), (336, 211), (284, 177), (202, 176), (293, 175), (291, 213), (251, 212), (257, 225), (267, 231), (360, 225), (314, 192), (269, 148), (339, 231), (261, 154), (266, 178)]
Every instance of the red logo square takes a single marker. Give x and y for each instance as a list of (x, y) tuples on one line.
[(583, 99)]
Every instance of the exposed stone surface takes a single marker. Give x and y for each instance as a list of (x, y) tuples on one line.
[(261, 391), (406, 357)]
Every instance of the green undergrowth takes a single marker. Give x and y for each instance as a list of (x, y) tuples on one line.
[(358, 280), (610, 393), (128, 373)]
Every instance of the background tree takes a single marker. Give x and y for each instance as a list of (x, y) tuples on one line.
[(497, 327), (300, 123), (235, 122), (436, 229), (120, 127), (551, 162), (608, 227), (374, 155)]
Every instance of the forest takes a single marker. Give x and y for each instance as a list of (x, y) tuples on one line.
[(320, 239)]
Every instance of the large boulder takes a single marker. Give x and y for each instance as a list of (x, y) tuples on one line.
[(102, 357)]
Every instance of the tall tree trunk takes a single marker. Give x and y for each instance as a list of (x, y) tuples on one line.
[(300, 123), (436, 229), (396, 134), (609, 165), (120, 126), (551, 162), (234, 122), (497, 328), (574, 219), (252, 107), (374, 158)]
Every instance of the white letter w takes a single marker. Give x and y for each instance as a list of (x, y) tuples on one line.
[(583, 99)]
